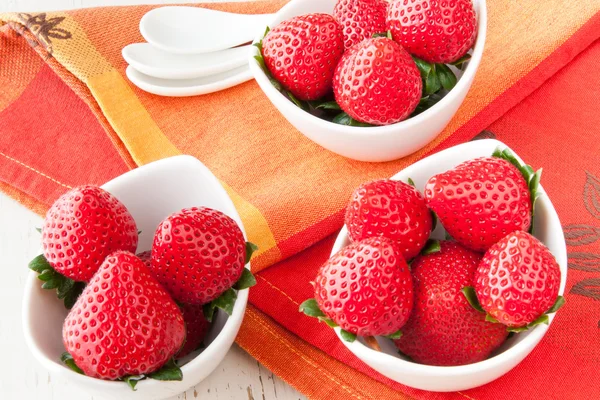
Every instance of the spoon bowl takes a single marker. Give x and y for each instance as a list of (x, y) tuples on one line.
[(189, 87), (159, 64), (193, 30)]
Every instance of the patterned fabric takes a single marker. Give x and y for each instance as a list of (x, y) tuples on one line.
[(69, 116)]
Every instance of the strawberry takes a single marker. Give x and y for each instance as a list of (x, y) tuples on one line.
[(302, 52), (392, 209), (82, 227), (198, 254), (146, 257), (517, 281), (443, 328), (437, 31), (360, 19), (365, 288), (377, 82), (196, 326), (124, 323), (481, 201)]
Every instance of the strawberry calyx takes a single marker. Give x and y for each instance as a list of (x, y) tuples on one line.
[(227, 299), (471, 296), (431, 246), (531, 177), (311, 309), (67, 289), (68, 360), (170, 371)]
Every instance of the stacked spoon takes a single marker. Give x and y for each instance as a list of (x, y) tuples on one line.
[(192, 51)]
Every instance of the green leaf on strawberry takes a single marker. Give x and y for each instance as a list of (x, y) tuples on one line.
[(543, 319), (434, 219), (67, 359), (329, 322), (491, 319), (225, 302), (461, 62), (132, 380), (347, 336), (560, 301), (344, 119), (67, 289), (432, 246), (329, 105), (247, 280), (395, 335), (250, 249), (446, 76), (432, 81), (471, 296), (169, 372), (39, 230), (311, 308), (423, 66), (411, 182)]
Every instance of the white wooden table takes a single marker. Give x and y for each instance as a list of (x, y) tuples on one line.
[(21, 377)]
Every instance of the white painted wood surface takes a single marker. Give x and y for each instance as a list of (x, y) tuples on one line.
[(21, 377)]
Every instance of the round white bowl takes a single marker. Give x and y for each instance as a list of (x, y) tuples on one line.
[(380, 143), (151, 193), (448, 379)]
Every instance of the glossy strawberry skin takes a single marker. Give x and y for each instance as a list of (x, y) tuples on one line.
[(302, 53), (124, 322), (360, 19), (437, 31), (377, 82), (197, 254), (366, 288), (517, 280), (480, 201), (196, 327), (443, 328), (82, 227), (392, 209)]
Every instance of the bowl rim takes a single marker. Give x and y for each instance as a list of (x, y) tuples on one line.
[(523, 347), (230, 327), (461, 86)]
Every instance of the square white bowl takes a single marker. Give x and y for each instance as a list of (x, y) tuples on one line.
[(377, 143), (448, 379), (150, 193)]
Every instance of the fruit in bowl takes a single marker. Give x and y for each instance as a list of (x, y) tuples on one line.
[(481, 301), (123, 326), (386, 98)]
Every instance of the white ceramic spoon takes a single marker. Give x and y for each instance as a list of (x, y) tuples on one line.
[(189, 87), (154, 62), (193, 30)]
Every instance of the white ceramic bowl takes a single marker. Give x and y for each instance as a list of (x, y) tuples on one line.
[(151, 193), (446, 379), (381, 143)]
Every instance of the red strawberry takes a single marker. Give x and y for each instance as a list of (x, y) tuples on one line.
[(480, 201), (302, 52), (366, 288), (196, 326), (392, 209), (124, 322), (517, 280), (198, 254), (146, 257), (443, 328), (82, 227), (377, 82), (437, 31), (360, 19)]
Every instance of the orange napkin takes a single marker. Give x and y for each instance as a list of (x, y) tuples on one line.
[(68, 115)]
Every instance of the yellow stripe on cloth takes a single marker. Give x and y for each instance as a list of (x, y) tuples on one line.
[(256, 226)]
